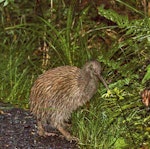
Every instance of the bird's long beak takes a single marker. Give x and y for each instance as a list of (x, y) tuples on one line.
[(103, 81)]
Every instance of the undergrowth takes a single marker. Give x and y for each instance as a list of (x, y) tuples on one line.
[(113, 119)]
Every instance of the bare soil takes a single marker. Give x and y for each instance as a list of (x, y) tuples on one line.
[(18, 130)]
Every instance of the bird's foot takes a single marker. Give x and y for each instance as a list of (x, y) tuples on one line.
[(67, 135)]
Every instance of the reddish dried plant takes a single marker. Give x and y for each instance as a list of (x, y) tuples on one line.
[(146, 97)]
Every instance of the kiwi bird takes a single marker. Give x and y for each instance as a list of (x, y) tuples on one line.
[(60, 91)]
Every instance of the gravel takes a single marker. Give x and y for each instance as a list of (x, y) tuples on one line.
[(18, 130)]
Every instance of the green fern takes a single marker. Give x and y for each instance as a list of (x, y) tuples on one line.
[(121, 21), (147, 75)]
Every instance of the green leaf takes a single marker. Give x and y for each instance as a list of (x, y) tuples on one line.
[(120, 143), (2, 1), (122, 21), (147, 75), (6, 3)]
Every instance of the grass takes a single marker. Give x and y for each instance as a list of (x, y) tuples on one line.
[(108, 123), (14, 79), (115, 119)]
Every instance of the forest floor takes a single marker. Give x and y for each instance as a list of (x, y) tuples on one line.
[(18, 130)]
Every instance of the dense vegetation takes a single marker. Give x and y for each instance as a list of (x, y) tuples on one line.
[(36, 36)]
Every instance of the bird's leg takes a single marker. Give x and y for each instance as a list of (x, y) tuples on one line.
[(40, 128), (67, 124), (42, 132), (66, 134)]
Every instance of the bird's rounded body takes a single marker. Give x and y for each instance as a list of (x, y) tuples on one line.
[(60, 91)]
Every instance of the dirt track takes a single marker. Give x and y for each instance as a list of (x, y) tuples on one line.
[(18, 131)]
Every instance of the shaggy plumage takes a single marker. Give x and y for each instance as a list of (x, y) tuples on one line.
[(60, 91)]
